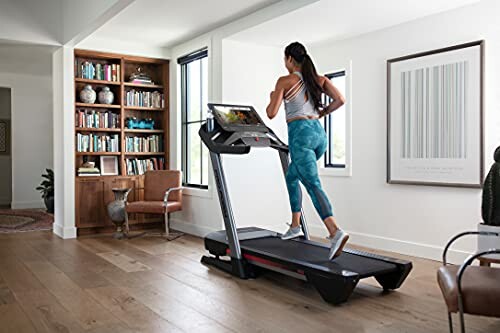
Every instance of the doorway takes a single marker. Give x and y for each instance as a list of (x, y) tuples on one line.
[(5, 148)]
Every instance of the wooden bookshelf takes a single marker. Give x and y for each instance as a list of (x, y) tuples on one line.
[(93, 193), (103, 130), (95, 105), (142, 108), (145, 86), (99, 82)]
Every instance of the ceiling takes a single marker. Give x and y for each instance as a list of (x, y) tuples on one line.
[(340, 19), (52, 22), (169, 22)]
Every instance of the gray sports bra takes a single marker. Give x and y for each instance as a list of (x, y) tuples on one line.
[(295, 101)]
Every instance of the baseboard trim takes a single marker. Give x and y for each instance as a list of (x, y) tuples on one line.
[(27, 204), (413, 249), (64, 232), (190, 228)]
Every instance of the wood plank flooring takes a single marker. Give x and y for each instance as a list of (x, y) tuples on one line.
[(99, 284)]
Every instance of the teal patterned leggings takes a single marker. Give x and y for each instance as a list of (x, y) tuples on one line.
[(307, 143)]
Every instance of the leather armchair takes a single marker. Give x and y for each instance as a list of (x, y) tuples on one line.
[(162, 195), (470, 289)]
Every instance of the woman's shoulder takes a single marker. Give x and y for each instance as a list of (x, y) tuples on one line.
[(287, 80)]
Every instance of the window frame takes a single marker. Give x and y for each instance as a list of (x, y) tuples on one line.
[(341, 170), (327, 121), (183, 61)]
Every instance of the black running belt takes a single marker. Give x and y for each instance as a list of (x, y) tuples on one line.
[(316, 257)]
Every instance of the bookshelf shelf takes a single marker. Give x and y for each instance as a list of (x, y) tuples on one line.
[(144, 131), (98, 82), (94, 192), (129, 153), (142, 108), (91, 129), (88, 105), (139, 85), (97, 153)]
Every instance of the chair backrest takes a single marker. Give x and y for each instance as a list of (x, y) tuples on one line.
[(157, 182)]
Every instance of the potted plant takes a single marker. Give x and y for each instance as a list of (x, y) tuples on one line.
[(47, 189), (491, 207)]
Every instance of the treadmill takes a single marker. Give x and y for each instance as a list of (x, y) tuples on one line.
[(244, 252)]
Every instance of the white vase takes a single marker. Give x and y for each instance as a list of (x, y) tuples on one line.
[(106, 96), (485, 243), (87, 95)]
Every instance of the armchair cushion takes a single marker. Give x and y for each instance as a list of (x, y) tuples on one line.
[(480, 289), (153, 207), (156, 183)]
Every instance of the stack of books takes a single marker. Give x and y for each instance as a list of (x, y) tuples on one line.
[(106, 72), (88, 171), (140, 166), (97, 143), (145, 99), (142, 81), (150, 144), (95, 119)]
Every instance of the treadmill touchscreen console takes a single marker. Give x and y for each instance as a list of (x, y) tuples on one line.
[(234, 115)]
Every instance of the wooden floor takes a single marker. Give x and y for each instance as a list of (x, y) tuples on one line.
[(98, 284)]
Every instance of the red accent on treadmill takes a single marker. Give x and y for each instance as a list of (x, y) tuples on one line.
[(267, 262)]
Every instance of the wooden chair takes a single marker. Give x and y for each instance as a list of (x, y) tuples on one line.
[(470, 289), (162, 195)]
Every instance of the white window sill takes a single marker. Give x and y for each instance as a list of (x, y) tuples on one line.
[(197, 192), (335, 172)]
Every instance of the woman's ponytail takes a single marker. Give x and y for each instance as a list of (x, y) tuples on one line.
[(298, 52)]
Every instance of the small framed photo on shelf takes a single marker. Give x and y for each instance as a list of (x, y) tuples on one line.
[(435, 117), (109, 165)]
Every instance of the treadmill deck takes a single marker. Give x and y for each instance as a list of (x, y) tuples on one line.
[(307, 255)]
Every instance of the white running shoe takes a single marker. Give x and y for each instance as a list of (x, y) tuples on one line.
[(337, 243), (292, 233)]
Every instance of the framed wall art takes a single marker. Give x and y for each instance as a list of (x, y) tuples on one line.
[(435, 117)]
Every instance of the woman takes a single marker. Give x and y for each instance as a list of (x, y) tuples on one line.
[(301, 91)]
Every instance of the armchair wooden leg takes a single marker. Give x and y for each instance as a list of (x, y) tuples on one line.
[(127, 228)]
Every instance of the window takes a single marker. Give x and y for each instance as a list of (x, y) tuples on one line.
[(194, 97), (335, 126)]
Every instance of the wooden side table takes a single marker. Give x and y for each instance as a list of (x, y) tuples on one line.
[(488, 261)]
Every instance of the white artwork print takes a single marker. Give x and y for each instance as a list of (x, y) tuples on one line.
[(435, 119)]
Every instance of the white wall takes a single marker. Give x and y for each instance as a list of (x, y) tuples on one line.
[(256, 182), (5, 160), (64, 142), (415, 220), (201, 212), (27, 70)]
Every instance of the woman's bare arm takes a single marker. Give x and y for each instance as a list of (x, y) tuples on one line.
[(276, 99), (334, 94)]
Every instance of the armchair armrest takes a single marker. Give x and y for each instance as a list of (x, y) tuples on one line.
[(170, 190), (460, 235)]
